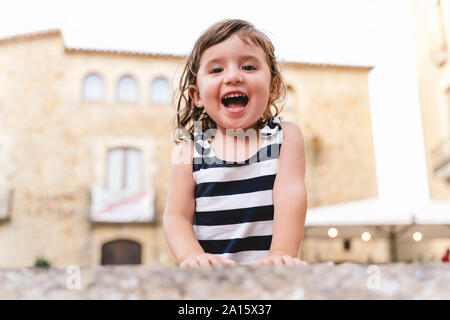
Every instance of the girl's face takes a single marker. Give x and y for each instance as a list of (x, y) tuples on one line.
[(233, 83)]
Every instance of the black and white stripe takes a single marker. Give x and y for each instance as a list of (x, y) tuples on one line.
[(234, 206)]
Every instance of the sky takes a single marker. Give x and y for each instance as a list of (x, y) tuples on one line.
[(353, 32)]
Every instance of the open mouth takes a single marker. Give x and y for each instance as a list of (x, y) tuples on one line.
[(236, 101)]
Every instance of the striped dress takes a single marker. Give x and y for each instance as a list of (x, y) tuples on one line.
[(234, 207)]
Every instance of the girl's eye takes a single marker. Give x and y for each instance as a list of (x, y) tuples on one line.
[(216, 70), (248, 67)]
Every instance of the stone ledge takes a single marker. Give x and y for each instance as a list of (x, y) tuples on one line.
[(314, 281)]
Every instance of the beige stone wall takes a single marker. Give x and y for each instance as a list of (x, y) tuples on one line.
[(53, 145), (433, 67), (59, 151), (334, 113), (49, 208)]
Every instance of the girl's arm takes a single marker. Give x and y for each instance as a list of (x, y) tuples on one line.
[(289, 199), (179, 213)]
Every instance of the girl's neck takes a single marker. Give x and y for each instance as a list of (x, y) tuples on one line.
[(237, 135), (226, 133), (235, 145)]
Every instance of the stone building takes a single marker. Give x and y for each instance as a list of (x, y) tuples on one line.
[(405, 235), (432, 39), (85, 148), (433, 67)]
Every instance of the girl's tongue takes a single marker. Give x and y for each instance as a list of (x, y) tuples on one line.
[(236, 104)]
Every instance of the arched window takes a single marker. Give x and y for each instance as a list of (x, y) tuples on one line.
[(121, 252), (124, 170), (160, 92), (93, 88), (290, 95), (127, 89)]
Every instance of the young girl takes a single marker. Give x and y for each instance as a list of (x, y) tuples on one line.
[(227, 206)]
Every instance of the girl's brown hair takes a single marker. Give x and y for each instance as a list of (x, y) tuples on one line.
[(187, 112)]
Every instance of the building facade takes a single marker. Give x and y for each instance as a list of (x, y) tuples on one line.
[(86, 145), (432, 30)]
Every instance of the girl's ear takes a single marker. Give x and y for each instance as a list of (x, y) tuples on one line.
[(194, 94), (275, 87)]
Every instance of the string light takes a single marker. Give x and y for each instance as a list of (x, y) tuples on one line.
[(366, 236), (417, 236), (332, 232)]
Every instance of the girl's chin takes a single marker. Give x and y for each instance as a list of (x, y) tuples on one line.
[(236, 125)]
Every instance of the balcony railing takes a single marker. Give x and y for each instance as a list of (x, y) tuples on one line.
[(5, 204), (122, 206), (441, 156)]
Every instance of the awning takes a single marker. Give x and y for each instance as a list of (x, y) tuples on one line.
[(361, 212), (380, 217), (435, 212)]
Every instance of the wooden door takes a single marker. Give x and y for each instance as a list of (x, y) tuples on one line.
[(121, 252)]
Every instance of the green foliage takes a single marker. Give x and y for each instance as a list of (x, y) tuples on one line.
[(42, 263)]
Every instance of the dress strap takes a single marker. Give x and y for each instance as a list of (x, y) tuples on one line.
[(272, 132), (202, 147)]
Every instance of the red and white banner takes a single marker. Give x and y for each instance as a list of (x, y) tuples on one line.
[(122, 206)]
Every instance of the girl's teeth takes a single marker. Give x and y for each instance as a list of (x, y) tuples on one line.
[(234, 95)]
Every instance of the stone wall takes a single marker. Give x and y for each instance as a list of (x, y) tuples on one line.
[(313, 281)]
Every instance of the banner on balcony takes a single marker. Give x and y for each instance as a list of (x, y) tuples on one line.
[(121, 206)]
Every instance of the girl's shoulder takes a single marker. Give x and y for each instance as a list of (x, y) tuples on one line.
[(291, 130), (292, 155), (292, 137)]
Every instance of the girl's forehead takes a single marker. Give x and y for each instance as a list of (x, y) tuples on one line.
[(232, 47)]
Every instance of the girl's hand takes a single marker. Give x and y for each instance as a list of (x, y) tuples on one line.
[(205, 260), (279, 259)]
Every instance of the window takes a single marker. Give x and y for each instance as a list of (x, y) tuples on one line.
[(347, 244), (93, 88), (290, 103), (124, 169), (127, 89), (160, 91)]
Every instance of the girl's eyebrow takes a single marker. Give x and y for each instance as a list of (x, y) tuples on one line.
[(249, 56), (244, 57)]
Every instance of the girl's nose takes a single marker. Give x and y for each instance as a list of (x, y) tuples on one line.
[(233, 76)]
